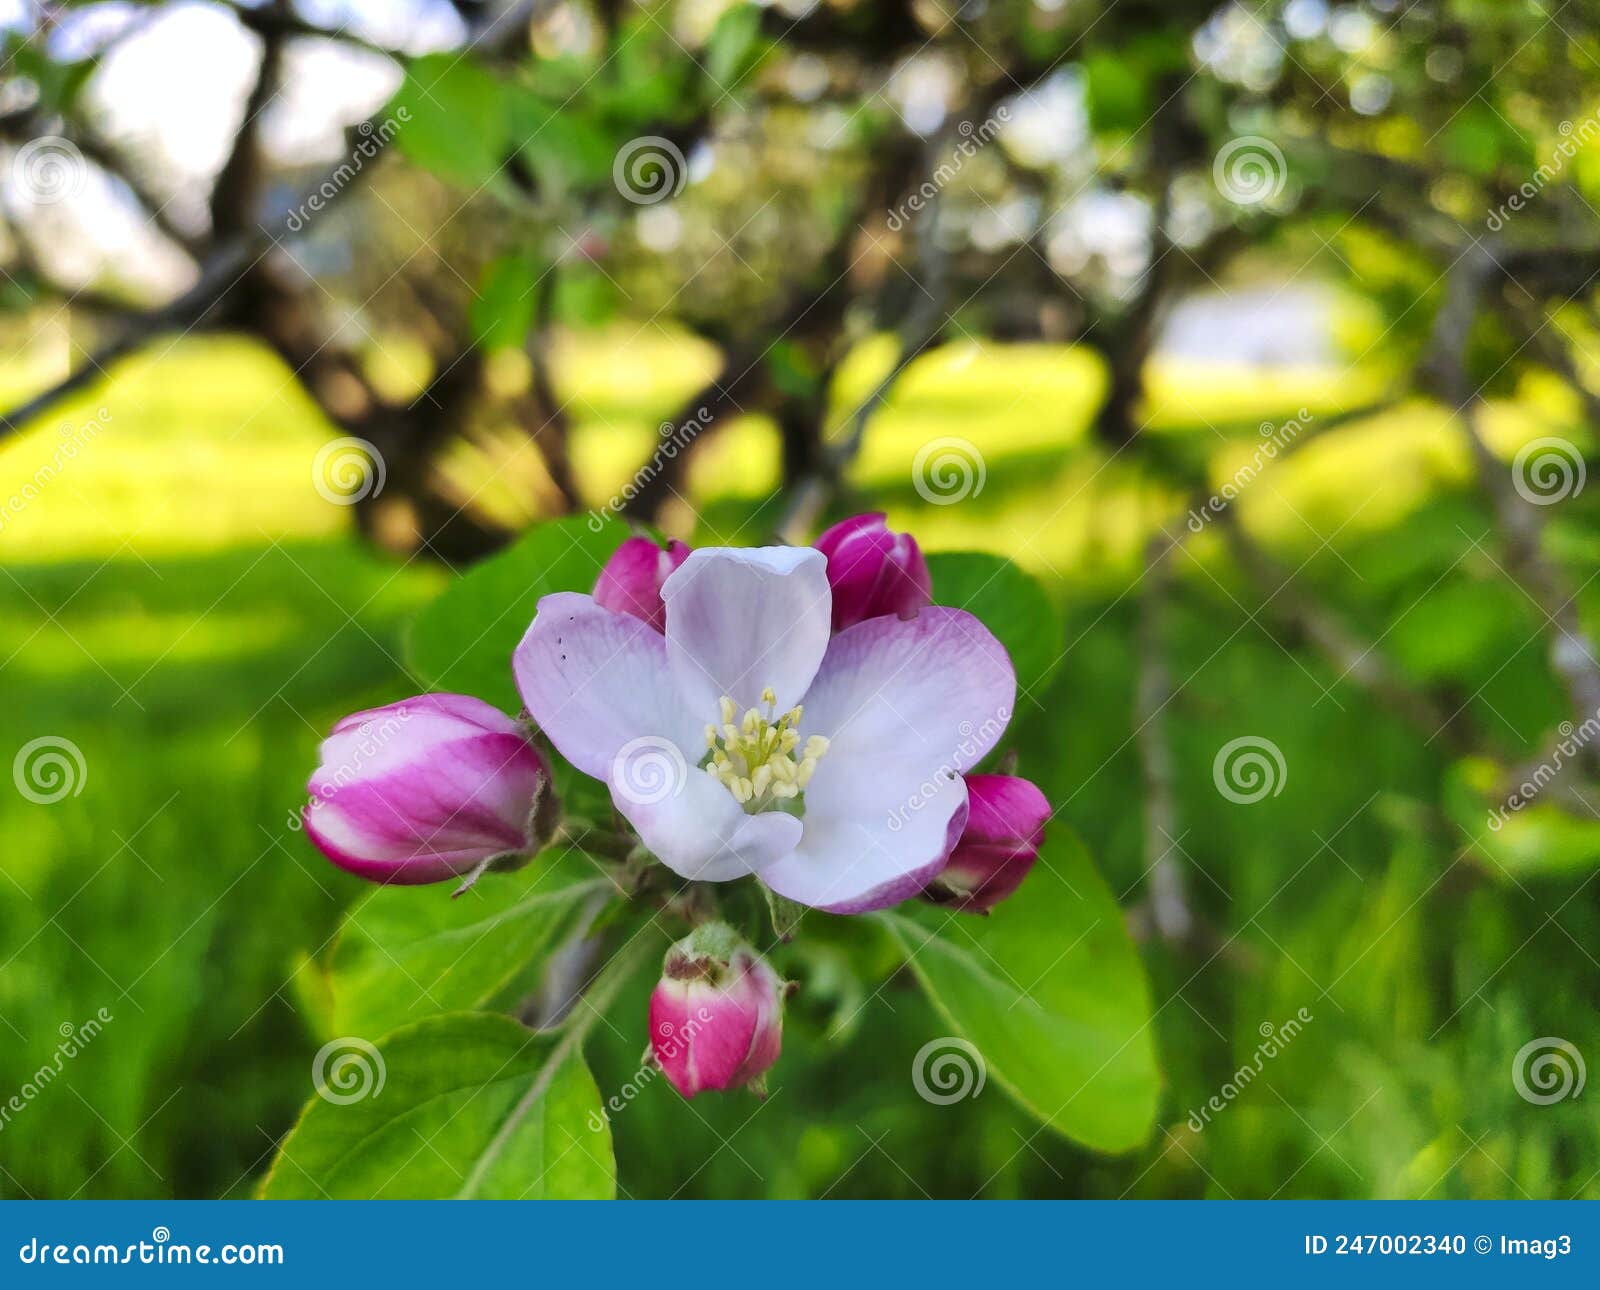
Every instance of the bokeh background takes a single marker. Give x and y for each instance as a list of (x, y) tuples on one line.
[(1262, 334)]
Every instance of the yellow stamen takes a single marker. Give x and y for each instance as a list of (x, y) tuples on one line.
[(761, 757)]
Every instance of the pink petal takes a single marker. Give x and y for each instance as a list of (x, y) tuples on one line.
[(716, 1031), (420, 790), (464, 794), (463, 707), (412, 871), (1005, 827), (631, 581), (701, 1037), (873, 570), (399, 734)]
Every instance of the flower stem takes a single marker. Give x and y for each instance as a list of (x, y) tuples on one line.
[(595, 1000)]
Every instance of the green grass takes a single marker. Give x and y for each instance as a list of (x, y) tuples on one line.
[(181, 605)]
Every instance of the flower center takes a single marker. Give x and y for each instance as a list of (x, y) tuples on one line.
[(761, 760)]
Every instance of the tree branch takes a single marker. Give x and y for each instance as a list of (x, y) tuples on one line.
[(923, 321), (550, 427), (220, 273)]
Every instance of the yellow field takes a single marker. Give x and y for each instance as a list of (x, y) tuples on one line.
[(201, 444)]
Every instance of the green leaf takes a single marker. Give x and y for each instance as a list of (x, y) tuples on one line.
[(1008, 602), (735, 48), (462, 1105), (502, 312), (1457, 624), (1050, 991), (464, 639), (785, 914), (455, 119), (404, 954), (586, 297), (1474, 140), (567, 147), (649, 82), (1537, 839), (793, 371), (1117, 94)]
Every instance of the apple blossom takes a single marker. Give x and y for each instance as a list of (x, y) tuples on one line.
[(749, 739), (716, 1015), (1005, 825), (873, 571), (631, 581), (426, 789)]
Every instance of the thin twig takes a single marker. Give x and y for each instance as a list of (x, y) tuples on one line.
[(1169, 905), (920, 327), (1357, 659)]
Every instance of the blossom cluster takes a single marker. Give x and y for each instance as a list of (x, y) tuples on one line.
[(811, 719)]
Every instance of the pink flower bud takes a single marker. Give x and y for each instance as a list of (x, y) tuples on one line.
[(873, 571), (716, 1016), (427, 789), (631, 581), (1005, 826)]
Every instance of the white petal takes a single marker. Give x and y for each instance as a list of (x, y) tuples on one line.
[(852, 863), (697, 830), (908, 705), (742, 619), (595, 680), (912, 694)]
